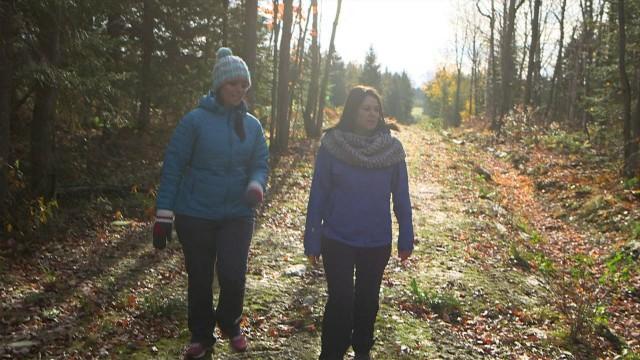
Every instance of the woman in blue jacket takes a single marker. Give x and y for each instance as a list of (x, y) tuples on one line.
[(214, 174), (359, 168)]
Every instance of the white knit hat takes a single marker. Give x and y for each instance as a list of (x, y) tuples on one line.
[(228, 66)]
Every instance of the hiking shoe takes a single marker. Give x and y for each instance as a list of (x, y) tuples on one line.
[(195, 351), (239, 343)]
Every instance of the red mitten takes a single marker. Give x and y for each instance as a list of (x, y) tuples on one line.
[(254, 194), (162, 228)]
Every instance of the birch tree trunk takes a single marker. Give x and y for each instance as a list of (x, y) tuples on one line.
[(491, 85), (557, 72), (455, 117), (325, 78)]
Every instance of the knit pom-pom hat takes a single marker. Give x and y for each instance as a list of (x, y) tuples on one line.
[(228, 66)]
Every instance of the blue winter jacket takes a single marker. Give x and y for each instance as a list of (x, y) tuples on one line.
[(207, 167), (352, 205)]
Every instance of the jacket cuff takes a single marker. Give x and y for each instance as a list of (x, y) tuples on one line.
[(255, 185), (165, 216), (405, 244), (312, 245)]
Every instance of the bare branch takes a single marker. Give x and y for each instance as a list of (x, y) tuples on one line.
[(480, 10)]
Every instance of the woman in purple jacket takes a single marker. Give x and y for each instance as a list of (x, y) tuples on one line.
[(359, 168)]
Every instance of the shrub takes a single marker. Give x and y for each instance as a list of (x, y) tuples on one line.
[(444, 304)]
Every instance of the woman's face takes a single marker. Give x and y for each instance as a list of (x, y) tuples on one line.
[(232, 91), (368, 116)]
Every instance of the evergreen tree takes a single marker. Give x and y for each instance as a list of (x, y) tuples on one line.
[(406, 97), (338, 81), (398, 95), (371, 71)]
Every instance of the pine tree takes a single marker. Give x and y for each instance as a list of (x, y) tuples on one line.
[(371, 71), (338, 82)]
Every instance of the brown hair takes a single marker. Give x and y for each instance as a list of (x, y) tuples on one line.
[(354, 100)]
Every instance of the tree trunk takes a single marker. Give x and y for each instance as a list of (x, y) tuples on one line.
[(492, 83), (574, 80), (251, 46), (145, 69), (525, 55), (634, 147), (327, 69), (456, 120), (282, 119), (6, 91), (557, 72), (115, 30), (274, 79), (533, 66), (473, 91), (455, 117), (225, 23), (629, 166), (587, 43), (506, 60), (494, 71), (299, 54), (44, 110), (312, 95)]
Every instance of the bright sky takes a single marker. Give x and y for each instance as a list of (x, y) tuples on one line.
[(411, 35)]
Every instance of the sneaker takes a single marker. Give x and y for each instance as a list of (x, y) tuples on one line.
[(195, 351), (239, 343)]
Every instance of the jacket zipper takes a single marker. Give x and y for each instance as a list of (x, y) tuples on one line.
[(229, 161)]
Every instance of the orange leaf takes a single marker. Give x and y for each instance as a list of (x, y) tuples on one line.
[(132, 300)]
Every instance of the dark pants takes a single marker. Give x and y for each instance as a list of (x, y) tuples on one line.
[(225, 245), (351, 310)]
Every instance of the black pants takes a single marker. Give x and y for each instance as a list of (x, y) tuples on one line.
[(351, 310), (225, 245)]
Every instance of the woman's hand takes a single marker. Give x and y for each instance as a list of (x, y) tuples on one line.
[(404, 254), (313, 260)]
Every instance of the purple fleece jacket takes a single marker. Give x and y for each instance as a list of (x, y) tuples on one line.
[(352, 204)]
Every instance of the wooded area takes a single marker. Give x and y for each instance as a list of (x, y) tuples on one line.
[(76, 76), (90, 92), (580, 85)]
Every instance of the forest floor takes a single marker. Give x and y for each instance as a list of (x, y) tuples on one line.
[(492, 224)]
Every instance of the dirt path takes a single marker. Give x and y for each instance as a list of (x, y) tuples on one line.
[(115, 297)]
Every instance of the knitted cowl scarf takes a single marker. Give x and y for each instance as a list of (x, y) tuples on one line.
[(376, 151)]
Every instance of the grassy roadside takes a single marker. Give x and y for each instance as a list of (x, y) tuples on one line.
[(472, 295)]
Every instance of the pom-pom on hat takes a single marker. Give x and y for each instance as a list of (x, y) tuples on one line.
[(228, 66)]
